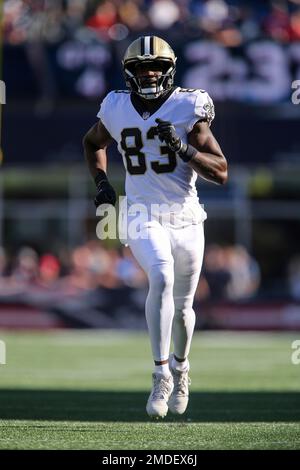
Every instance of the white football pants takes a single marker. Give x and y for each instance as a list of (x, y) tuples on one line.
[(172, 258)]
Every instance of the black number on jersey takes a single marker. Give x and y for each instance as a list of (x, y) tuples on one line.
[(133, 151), (164, 150), (139, 167)]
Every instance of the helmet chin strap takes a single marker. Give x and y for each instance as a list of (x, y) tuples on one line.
[(151, 93), (148, 93)]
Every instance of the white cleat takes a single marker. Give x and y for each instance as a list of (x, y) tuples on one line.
[(180, 397), (157, 405)]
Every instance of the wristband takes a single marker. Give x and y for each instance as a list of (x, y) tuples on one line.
[(187, 152), (99, 178)]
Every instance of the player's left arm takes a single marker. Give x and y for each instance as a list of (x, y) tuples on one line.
[(208, 160)]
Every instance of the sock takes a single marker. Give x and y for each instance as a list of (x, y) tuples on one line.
[(180, 366), (163, 369)]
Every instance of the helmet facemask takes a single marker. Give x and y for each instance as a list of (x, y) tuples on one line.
[(157, 85)]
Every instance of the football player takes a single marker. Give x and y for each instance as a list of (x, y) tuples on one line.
[(163, 134)]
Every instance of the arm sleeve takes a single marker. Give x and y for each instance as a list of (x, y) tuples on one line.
[(203, 109)]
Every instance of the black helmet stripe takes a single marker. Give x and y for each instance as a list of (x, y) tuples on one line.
[(151, 45), (147, 45)]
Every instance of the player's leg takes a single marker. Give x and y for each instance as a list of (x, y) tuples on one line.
[(153, 252), (188, 256)]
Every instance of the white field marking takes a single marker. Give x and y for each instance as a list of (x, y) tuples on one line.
[(68, 375), (205, 340), (74, 408), (84, 367), (229, 424), (63, 424), (240, 365), (87, 338), (236, 339)]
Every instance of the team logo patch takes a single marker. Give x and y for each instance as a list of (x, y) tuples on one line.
[(146, 115), (210, 111)]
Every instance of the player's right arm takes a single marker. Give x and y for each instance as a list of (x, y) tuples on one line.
[(95, 142)]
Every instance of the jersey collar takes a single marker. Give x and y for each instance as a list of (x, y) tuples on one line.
[(147, 108)]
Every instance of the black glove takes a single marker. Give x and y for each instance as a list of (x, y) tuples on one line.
[(106, 193), (167, 133)]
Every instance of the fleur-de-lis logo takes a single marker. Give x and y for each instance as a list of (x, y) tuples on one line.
[(210, 111)]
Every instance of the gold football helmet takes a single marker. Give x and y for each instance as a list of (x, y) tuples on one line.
[(149, 50)]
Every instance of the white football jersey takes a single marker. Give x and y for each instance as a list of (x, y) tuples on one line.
[(154, 174)]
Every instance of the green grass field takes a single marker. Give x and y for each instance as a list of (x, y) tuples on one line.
[(88, 390)]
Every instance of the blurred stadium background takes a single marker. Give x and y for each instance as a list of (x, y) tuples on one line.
[(59, 58)]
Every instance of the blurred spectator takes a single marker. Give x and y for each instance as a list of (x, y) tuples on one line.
[(129, 271), (202, 292), (131, 15), (213, 15), (32, 20), (26, 269), (13, 30), (295, 25), (228, 36), (228, 273), (3, 261), (104, 18), (74, 15), (247, 22), (216, 272), (225, 21), (244, 273), (49, 270), (89, 268), (163, 14), (277, 23)]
